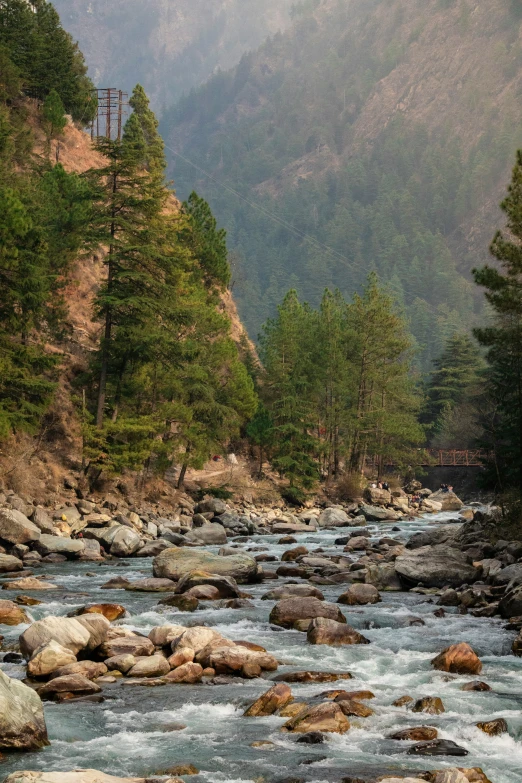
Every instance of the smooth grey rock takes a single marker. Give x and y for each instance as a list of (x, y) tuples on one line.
[(436, 566), (70, 547), (175, 563), (16, 528), (22, 722)]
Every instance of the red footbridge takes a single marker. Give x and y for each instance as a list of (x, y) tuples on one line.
[(456, 457)]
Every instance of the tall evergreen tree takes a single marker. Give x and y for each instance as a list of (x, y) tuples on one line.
[(154, 154)]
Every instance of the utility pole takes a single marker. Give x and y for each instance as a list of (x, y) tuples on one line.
[(112, 106)]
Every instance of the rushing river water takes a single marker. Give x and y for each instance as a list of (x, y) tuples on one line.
[(136, 730)]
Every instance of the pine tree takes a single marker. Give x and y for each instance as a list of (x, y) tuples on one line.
[(54, 114), (154, 153), (208, 243), (503, 340)]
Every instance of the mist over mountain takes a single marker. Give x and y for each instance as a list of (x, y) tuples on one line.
[(383, 132), (167, 45)]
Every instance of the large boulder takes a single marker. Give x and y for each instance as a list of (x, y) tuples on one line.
[(150, 666), (377, 497), (75, 776), (151, 585), (379, 514), (226, 585), (8, 563), (76, 684), (325, 631), (135, 645), (208, 534), (327, 717), (511, 603), (383, 576), (360, 595), (12, 614), (66, 631), (458, 659), (16, 528), (211, 506), (293, 591), (511, 575), (286, 612), (89, 669), (125, 542), (449, 500), (236, 659), (42, 520), (196, 638), (436, 566), (445, 534), (98, 626), (22, 723), (175, 563), (51, 545), (333, 517), (274, 699), (48, 658)]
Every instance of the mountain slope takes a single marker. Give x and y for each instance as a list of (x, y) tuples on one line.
[(383, 132), (169, 46)]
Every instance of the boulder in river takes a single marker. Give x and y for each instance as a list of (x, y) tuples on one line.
[(511, 603), (8, 564), (175, 562), (383, 576), (29, 583), (360, 595), (12, 614), (151, 585), (22, 723), (208, 534), (74, 776), (48, 658), (188, 673), (58, 545), (436, 566), (449, 500), (355, 708), (125, 542), (89, 669), (66, 631), (458, 659), (127, 645), (69, 684), (274, 699), (432, 705), (333, 517), (416, 734), (150, 666), (325, 631), (226, 585), (327, 717), (16, 528), (311, 676), (286, 612), (292, 591), (437, 747), (493, 727), (110, 611)]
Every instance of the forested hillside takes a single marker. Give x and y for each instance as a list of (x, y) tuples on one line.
[(168, 46), (383, 133)]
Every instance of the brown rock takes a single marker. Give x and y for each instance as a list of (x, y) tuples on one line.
[(287, 611), (493, 727), (327, 717), (429, 704), (458, 659), (476, 685), (26, 600), (127, 645), (402, 701), (48, 658), (204, 593), (354, 707), (121, 663), (293, 709), (359, 695), (182, 769), (187, 673), (89, 669), (360, 595), (274, 699), (72, 683), (325, 631), (292, 554), (180, 657), (29, 583), (110, 611), (11, 614), (150, 666), (151, 585), (309, 676), (416, 734)]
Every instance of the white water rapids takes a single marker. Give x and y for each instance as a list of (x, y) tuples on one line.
[(135, 731)]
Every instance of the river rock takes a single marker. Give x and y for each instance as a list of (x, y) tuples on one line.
[(211, 506), (238, 660), (163, 635), (511, 603), (437, 747), (458, 659), (443, 534), (183, 602), (137, 646), (383, 576), (325, 631), (452, 776), (416, 734), (432, 705), (326, 717), (66, 631), (48, 658), (436, 566), (71, 683), (493, 727), (12, 614), (151, 666), (98, 626), (353, 707), (226, 585), (110, 611), (293, 554), (75, 776), (181, 656), (476, 685), (16, 528), (291, 591), (377, 497), (175, 563), (196, 638), (121, 663), (360, 595), (89, 669), (22, 722), (449, 500), (333, 517), (125, 542), (153, 548), (286, 612), (291, 527), (274, 699), (188, 673), (378, 514), (8, 563), (209, 534), (51, 545), (29, 583), (152, 585)]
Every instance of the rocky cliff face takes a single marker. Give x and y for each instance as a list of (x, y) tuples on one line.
[(169, 46)]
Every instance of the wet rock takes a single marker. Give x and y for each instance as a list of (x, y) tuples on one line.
[(325, 631), (293, 554), (293, 709), (339, 695), (442, 534), (383, 576), (71, 683), (184, 603), (11, 614), (353, 707), (311, 676), (57, 545), (98, 626), (180, 657), (357, 543), (137, 646), (436, 566), (121, 663), (67, 632), (449, 500), (196, 638), (458, 659), (333, 517), (117, 583), (151, 585), (8, 564), (360, 595), (240, 660), (29, 583), (89, 669), (189, 673), (511, 604), (16, 528), (293, 591), (438, 747), (151, 666), (416, 734), (378, 514), (274, 699), (22, 722), (449, 776), (311, 738), (110, 611), (286, 612), (26, 600), (182, 769), (125, 542), (75, 776), (377, 497), (48, 658), (493, 727), (226, 586), (476, 685), (208, 534), (175, 563), (326, 717), (164, 635), (432, 705)]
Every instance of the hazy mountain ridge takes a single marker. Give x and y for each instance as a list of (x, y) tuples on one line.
[(359, 116), (169, 46)]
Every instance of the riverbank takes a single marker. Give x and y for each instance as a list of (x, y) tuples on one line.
[(136, 731)]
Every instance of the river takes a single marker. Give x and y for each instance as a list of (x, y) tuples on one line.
[(136, 731)]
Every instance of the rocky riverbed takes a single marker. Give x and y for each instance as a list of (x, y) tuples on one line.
[(331, 605)]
